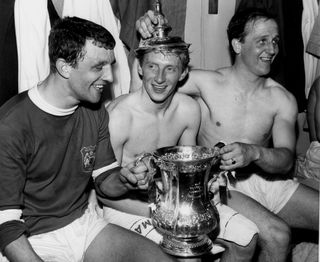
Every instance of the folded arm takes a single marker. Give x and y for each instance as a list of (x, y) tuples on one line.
[(20, 250), (13, 237)]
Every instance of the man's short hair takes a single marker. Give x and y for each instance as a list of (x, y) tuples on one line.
[(68, 37), (238, 25), (166, 45)]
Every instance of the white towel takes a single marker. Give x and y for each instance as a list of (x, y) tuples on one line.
[(32, 27), (100, 12)]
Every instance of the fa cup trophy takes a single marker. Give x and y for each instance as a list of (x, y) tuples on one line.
[(180, 206)]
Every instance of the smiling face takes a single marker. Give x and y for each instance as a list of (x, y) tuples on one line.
[(161, 71), (259, 47), (91, 74)]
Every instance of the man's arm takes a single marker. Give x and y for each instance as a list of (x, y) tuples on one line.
[(20, 250), (113, 189), (283, 135), (118, 181), (119, 126), (13, 230), (195, 82), (190, 108)]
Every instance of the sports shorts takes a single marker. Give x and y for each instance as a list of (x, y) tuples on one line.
[(69, 243), (272, 194)]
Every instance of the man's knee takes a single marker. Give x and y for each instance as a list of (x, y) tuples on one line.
[(275, 233), (238, 253)]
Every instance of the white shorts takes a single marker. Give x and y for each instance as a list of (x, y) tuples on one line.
[(309, 166), (68, 244), (233, 226), (273, 195)]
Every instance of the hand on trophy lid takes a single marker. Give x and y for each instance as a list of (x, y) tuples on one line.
[(147, 24)]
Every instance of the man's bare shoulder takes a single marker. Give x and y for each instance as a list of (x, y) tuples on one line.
[(118, 102), (278, 91), (184, 99), (120, 111), (186, 104), (282, 99)]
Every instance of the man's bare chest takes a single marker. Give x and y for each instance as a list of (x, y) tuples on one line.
[(225, 119), (150, 135)]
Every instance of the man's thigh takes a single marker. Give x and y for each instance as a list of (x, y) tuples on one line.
[(238, 253), (70, 242), (253, 210), (302, 210), (115, 243), (272, 194)]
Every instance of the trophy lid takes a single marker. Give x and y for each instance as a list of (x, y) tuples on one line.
[(160, 39)]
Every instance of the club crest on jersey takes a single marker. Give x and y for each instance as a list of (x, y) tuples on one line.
[(88, 157)]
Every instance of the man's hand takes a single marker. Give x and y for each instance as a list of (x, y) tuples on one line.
[(135, 176), (145, 24), (237, 155)]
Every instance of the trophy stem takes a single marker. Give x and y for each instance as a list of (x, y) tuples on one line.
[(186, 247)]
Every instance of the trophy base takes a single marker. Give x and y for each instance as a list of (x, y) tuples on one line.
[(186, 247)]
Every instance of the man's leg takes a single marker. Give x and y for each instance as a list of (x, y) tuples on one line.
[(237, 253), (114, 243), (274, 233), (302, 209), (236, 233)]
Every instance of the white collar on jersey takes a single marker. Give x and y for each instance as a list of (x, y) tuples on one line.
[(45, 106)]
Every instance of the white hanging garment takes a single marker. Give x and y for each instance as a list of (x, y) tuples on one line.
[(100, 12), (309, 14), (313, 46), (32, 27)]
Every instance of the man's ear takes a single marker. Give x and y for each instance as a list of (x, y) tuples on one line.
[(236, 45), (139, 69), (184, 74), (63, 68)]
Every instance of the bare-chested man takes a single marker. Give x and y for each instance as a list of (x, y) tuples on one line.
[(256, 116), (156, 116)]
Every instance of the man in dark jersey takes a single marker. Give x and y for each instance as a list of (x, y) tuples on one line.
[(54, 143)]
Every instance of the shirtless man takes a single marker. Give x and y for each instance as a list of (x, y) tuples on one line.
[(139, 122), (156, 116), (256, 116)]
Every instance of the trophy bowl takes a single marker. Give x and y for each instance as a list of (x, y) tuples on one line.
[(180, 206)]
